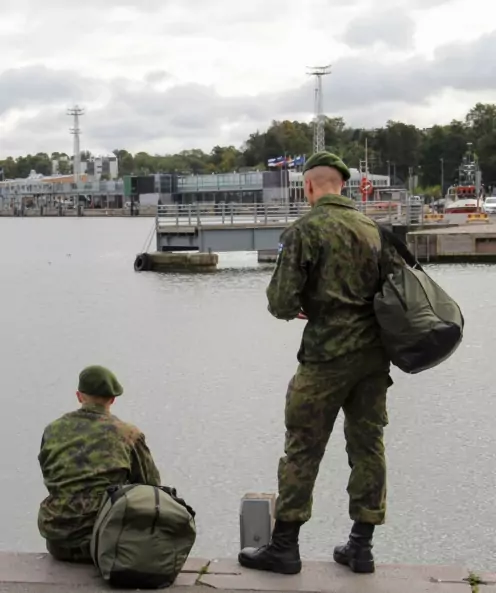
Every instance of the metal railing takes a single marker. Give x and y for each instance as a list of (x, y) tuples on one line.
[(414, 212), (200, 214)]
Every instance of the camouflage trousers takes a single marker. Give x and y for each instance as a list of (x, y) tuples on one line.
[(357, 384), (80, 554)]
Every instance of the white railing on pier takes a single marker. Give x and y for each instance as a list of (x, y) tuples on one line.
[(233, 213)]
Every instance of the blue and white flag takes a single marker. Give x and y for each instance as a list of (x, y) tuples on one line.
[(280, 161), (277, 162)]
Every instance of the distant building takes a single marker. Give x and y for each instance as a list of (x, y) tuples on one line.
[(262, 187), (102, 167), (54, 189), (35, 185), (95, 168), (63, 163), (249, 187)]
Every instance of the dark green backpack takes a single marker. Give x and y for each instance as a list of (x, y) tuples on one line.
[(142, 536), (421, 325)]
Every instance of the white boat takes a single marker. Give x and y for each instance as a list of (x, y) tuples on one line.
[(462, 206)]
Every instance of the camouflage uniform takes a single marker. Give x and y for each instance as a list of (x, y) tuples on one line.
[(82, 454), (328, 267)]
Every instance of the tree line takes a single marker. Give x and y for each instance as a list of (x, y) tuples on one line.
[(399, 149)]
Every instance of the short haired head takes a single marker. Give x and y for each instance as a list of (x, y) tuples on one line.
[(324, 173), (98, 384)]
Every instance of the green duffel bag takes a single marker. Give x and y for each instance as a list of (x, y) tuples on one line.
[(421, 325), (142, 536)]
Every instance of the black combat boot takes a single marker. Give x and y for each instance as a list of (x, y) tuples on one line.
[(282, 555), (357, 553)]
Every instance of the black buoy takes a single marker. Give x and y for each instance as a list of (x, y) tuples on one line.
[(142, 263)]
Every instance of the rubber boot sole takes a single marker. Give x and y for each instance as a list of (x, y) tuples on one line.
[(357, 566), (293, 567)]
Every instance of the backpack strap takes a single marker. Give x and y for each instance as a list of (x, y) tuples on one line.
[(388, 236)]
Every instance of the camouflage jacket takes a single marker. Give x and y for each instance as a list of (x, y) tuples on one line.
[(328, 267), (82, 454)]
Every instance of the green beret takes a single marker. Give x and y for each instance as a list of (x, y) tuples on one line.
[(99, 381), (327, 159)]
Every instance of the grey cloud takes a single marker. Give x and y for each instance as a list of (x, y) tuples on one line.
[(427, 3), (37, 85), (34, 7), (394, 28), (363, 91), (358, 82), (156, 76)]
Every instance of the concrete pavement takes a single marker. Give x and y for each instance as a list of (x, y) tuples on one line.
[(38, 573)]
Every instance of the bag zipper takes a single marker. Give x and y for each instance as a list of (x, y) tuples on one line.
[(157, 510)]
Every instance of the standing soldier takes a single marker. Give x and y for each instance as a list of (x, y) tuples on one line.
[(82, 454), (328, 273)]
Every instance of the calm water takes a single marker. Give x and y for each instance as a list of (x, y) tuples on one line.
[(205, 369)]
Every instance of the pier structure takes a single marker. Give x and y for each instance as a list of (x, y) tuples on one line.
[(209, 229), (468, 243)]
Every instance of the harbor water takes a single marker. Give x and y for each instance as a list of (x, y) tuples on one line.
[(205, 369)]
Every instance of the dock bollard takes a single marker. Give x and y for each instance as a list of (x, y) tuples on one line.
[(256, 519)]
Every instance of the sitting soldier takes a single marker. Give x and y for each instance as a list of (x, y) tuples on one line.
[(82, 454)]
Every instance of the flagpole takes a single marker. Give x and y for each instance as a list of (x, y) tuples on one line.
[(283, 170), (302, 180)]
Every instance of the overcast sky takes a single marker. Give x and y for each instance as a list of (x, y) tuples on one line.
[(166, 75)]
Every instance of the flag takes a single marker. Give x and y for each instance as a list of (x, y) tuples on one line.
[(277, 162), (299, 160)]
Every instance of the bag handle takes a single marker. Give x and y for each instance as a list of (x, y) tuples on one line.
[(388, 236), (117, 492), (173, 494)]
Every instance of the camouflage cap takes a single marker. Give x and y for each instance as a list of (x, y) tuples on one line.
[(327, 159), (99, 381)]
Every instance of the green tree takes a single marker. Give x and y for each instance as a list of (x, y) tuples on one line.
[(399, 143), (481, 122), (225, 159), (125, 161), (65, 167)]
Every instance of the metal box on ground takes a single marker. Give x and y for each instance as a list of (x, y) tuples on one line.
[(256, 519)]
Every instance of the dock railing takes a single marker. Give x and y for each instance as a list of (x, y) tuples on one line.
[(200, 214)]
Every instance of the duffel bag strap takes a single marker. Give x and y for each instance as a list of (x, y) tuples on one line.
[(388, 236), (173, 494), (117, 492)]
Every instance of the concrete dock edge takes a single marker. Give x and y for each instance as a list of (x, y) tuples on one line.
[(39, 573)]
